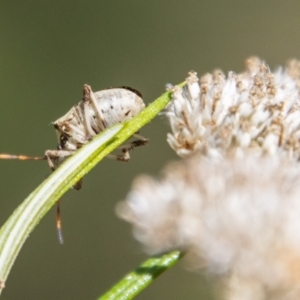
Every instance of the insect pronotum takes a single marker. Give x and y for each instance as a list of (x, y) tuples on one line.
[(93, 114)]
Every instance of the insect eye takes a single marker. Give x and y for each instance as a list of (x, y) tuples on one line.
[(63, 140)]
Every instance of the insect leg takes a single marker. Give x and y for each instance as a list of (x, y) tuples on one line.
[(89, 130), (141, 141), (122, 157), (55, 158), (140, 137), (88, 95), (58, 223)]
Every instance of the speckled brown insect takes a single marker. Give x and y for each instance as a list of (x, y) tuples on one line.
[(92, 115)]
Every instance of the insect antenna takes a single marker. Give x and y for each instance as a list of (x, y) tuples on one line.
[(21, 157), (58, 223)]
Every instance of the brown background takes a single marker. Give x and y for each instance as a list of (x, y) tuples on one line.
[(48, 50)]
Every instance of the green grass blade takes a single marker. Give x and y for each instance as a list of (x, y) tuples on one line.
[(133, 283), (24, 219)]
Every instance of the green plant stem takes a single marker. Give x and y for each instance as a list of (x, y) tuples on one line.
[(28, 214), (133, 283)]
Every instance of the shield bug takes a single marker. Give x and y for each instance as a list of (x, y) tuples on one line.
[(92, 115)]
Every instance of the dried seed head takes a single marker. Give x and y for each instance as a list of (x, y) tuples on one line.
[(257, 109), (233, 204)]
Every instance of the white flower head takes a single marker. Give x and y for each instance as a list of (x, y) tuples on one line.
[(256, 109), (238, 216), (233, 203)]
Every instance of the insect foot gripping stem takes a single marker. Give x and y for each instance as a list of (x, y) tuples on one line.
[(92, 115)]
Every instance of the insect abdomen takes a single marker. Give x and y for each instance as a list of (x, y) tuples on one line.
[(118, 105)]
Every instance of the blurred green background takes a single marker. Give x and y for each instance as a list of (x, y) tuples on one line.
[(49, 49)]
